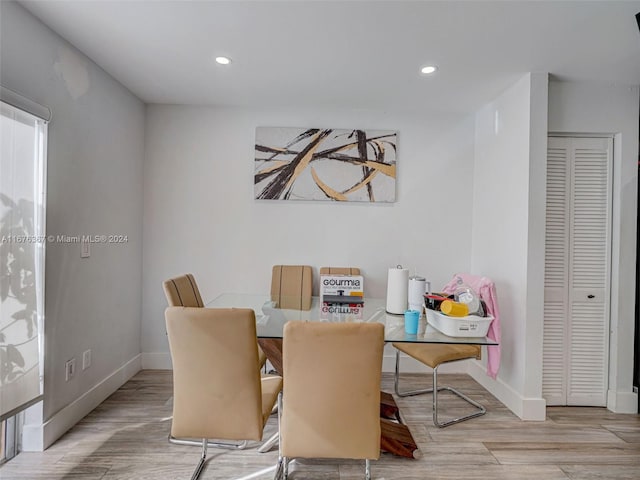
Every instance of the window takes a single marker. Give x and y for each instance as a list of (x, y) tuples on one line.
[(22, 249)]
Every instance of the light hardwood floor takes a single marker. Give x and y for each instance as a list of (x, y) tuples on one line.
[(126, 438)]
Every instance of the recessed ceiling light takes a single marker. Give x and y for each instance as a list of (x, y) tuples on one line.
[(428, 69), (223, 60)]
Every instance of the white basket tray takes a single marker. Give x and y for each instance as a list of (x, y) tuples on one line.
[(469, 326)]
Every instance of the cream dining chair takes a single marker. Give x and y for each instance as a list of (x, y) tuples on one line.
[(332, 411), (182, 291), (435, 355), (218, 392), (291, 286)]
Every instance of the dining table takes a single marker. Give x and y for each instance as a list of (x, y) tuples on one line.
[(270, 320)]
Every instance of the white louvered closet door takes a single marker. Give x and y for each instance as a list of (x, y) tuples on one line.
[(577, 262)]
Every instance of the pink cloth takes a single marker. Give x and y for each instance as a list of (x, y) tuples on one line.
[(486, 289)]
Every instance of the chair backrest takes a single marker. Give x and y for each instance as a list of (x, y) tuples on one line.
[(216, 378), (339, 271), (291, 286), (182, 291), (331, 395)]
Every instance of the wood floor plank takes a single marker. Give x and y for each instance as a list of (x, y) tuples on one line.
[(460, 472), (125, 438), (558, 453), (53, 472), (601, 472), (628, 433)]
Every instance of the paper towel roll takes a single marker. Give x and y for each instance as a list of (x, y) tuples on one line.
[(397, 290), (417, 289)]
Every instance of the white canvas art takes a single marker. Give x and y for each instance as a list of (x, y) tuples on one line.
[(325, 164)]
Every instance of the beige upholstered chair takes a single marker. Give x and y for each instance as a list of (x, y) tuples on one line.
[(218, 392), (291, 286), (339, 271), (182, 291), (435, 355), (332, 411)]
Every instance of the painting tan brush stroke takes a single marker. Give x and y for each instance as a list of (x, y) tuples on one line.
[(362, 184), (304, 161), (330, 192), (384, 168), (276, 164)]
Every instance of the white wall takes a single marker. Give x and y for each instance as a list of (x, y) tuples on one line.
[(95, 156), (512, 155), (510, 142), (597, 109), (200, 215)]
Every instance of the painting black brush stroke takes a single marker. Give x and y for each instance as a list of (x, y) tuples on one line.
[(325, 164)]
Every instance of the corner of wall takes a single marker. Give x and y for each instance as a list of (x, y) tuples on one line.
[(156, 361), (622, 402), (526, 408), (37, 437)]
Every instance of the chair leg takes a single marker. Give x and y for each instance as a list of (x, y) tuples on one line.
[(273, 439), (396, 382), (480, 410), (269, 443), (281, 467), (234, 446), (367, 469), (200, 465)]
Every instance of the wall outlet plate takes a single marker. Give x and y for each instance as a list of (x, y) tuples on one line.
[(69, 369), (86, 359), (85, 249)]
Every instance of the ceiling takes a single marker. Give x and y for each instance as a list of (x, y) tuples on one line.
[(347, 54)]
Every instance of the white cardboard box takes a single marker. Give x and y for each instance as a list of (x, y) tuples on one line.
[(342, 285)]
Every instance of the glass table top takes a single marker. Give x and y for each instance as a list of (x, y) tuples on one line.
[(270, 319)]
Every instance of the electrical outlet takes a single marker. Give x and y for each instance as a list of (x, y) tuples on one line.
[(86, 359), (69, 369), (85, 250)]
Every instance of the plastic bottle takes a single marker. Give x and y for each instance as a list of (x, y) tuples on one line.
[(454, 309), (465, 294)]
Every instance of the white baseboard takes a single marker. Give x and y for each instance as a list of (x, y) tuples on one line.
[(622, 402), (37, 438), (534, 409), (157, 361)]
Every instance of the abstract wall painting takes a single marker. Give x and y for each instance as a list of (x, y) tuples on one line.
[(325, 164)]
